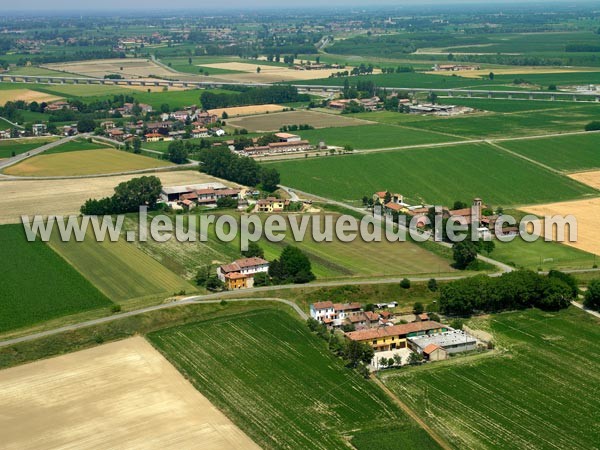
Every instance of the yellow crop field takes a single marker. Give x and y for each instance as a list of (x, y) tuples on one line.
[(52, 197), (247, 110), (83, 163), (268, 73), (27, 95), (587, 213), (119, 395), (591, 178)]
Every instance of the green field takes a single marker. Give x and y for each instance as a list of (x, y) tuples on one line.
[(375, 136), (19, 146), (496, 125), (504, 118), (4, 125), (539, 391), (76, 146), (330, 260), (433, 176), (119, 269), (37, 284), (282, 386), (507, 106), (542, 255), (568, 153), (176, 99)]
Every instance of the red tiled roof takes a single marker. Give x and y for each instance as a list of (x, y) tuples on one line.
[(323, 305), (430, 349), (251, 262), (346, 306), (394, 206), (372, 316), (288, 144), (235, 276), (396, 330)]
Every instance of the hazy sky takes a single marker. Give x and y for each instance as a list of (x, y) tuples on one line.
[(145, 5)]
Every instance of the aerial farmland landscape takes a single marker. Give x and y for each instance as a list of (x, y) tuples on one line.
[(355, 225)]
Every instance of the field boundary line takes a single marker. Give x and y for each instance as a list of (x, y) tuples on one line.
[(524, 158), (436, 437)]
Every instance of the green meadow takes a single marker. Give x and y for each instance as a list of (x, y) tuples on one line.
[(569, 153), (38, 285), (537, 390), (433, 176), (325, 405)]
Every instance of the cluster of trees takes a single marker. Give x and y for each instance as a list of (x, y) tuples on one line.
[(207, 278), (128, 197), (357, 355), (301, 127), (253, 96), (292, 266), (177, 152), (399, 69), (222, 163), (514, 290), (362, 88), (465, 252)]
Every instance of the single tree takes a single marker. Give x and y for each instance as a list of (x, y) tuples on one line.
[(254, 251), (465, 253), (592, 296), (432, 285), (137, 145), (418, 308)]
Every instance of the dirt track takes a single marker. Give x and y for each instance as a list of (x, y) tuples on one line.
[(120, 395)]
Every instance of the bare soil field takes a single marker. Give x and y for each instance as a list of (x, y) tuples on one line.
[(120, 395), (83, 163), (268, 74), (591, 178), (587, 213), (128, 68), (237, 111), (47, 197), (26, 95), (273, 122)]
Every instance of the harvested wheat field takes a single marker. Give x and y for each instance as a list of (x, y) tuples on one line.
[(587, 213), (119, 395), (268, 73), (83, 163), (49, 197), (236, 111), (591, 178), (27, 95), (128, 68), (273, 122)]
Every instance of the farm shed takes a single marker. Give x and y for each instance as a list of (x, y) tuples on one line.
[(453, 341)]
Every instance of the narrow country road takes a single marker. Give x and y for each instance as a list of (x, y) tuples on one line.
[(16, 159), (201, 299), (587, 310)]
